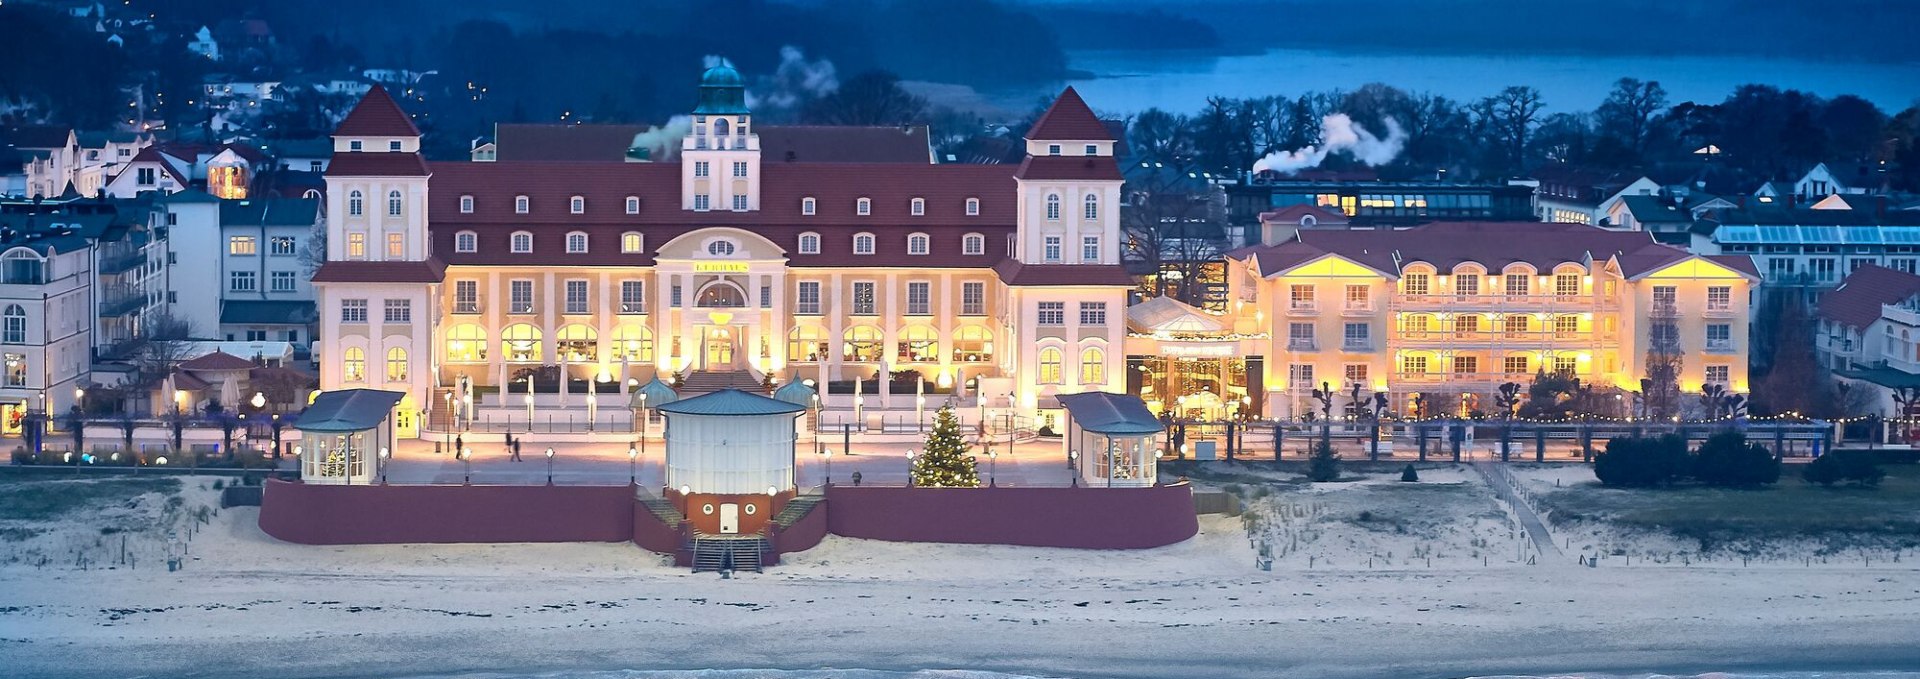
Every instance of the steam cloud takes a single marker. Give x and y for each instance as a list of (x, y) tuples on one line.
[(663, 141), (1338, 133), (795, 81)]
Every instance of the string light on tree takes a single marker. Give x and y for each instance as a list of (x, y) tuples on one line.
[(943, 461)]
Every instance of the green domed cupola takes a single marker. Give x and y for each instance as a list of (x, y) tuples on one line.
[(722, 92)]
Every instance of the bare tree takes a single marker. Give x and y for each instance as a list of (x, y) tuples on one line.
[(1507, 120), (166, 341), (1173, 223), (1630, 111)]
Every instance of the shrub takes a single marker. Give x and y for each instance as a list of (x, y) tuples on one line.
[(1409, 475), (1843, 466), (1727, 459), (1323, 464), (1641, 461)]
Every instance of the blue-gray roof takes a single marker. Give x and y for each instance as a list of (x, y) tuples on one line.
[(657, 392), (348, 410), (1112, 414), (795, 392), (731, 402)]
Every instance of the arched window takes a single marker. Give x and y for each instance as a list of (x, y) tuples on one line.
[(863, 244), (919, 206), (466, 343), (15, 330), (720, 248), (396, 364), (631, 242), (466, 241), (1053, 207), (918, 244), (577, 243), (1093, 366), (393, 204), (973, 244), (1092, 209), (1050, 372), (1566, 283), (807, 344), (633, 205), (973, 344), (522, 343), (575, 343), (918, 344), (809, 243), (720, 295), (973, 206), (807, 205), (521, 205), (863, 344), (577, 205), (633, 343), (353, 365), (356, 203), (863, 207), (522, 242), (720, 127)]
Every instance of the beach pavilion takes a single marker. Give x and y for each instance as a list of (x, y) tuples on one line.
[(1113, 439), (346, 435)]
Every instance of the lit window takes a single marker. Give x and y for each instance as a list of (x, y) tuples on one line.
[(631, 242), (1093, 366), (357, 245), (918, 244), (466, 241), (396, 246), (522, 242), (243, 246), (353, 365), (466, 343), (396, 365), (1050, 372)]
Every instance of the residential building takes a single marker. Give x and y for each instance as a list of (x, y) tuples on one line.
[(1868, 334), (1814, 248), (265, 294), (1001, 283), (1579, 196), (1373, 203)]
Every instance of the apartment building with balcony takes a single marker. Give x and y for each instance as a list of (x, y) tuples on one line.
[(1811, 249), (1446, 313), (1868, 333)]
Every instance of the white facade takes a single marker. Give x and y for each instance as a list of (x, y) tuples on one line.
[(730, 454)]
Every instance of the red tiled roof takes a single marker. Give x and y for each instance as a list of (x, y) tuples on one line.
[(1070, 168), (153, 155), (430, 271), (1015, 273), (1069, 119), (366, 164), (184, 380), (1856, 303), (1493, 245), (218, 360), (377, 115)]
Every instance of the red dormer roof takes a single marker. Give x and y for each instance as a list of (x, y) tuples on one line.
[(1069, 119), (1292, 214), (1856, 303), (218, 360), (377, 115)]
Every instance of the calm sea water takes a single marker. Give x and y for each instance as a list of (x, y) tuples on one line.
[(1126, 81), (969, 674)]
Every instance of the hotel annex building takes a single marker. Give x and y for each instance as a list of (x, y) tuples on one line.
[(1001, 285)]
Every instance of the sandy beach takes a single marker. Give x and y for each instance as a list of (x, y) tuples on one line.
[(248, 606)]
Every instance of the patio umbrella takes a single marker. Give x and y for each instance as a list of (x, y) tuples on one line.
[(230, 394), (168, 391)]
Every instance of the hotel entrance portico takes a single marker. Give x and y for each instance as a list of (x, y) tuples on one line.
[(723, 306), (1192, 364)]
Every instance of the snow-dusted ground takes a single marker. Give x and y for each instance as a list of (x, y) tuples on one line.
[(247, 606)]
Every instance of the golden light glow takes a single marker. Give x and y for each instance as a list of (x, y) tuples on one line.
[(1695, 268)]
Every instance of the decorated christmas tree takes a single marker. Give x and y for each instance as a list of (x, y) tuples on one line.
[(943, 461)]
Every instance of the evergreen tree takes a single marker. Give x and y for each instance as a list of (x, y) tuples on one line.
[(1323, 464), (943, 461)]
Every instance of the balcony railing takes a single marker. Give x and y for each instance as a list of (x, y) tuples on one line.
[(1302, 306), (1461, 377), (1900, 314), (1354, 307), (1664, 309), (1719, 309), (1500, 301), (120, 263), (1360, 344), (466, 307), (122, 305), (1720, 346), (1301, 344)]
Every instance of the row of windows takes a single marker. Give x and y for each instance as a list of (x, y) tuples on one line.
[(1055, 313), (249, 281), (808, 205), (353, 365), (1089, 209), (1052, 249), (394, 310), (1515, 364), (1469, 283), (524, 342), (357, 203), (1090, 149), (357, 245), (633, 242), (807, 298), (360, 145), (278, 246)]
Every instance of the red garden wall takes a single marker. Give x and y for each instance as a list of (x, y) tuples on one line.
[(1082, 518), (347, 515)]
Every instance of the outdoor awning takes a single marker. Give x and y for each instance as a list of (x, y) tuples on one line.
[(1112, 414), (657, 394), (348, 410), (1169, 315)]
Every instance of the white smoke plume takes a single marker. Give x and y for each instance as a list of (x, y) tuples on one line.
[(663, 141), (1338, 133), (713, 60), (794, 82)]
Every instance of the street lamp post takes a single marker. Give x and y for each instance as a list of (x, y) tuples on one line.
[(1072, 457), (384, 455), (466, 459), (909, 469), (993, 468), (827, 457), (549, 465), (633, 466)]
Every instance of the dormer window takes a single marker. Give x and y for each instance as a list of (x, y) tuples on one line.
[(466, 205), (521, 205), (1093, 149), (863, 207), (918, 244), (973, 207), (632, 242), (807, 206), (577, 243), (1053, 149), (863, 244), (355, 145), (577, 205), (393, 145), (466, 241), (633, 205), (522, 242), (973, 244), (919, 206), (809, 243)]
